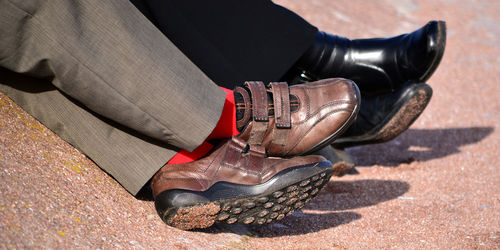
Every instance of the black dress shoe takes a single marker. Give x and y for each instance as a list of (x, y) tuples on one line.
[(378, 65), (383, 117)]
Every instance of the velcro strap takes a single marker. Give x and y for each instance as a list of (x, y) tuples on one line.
[(255, 159), (280, 137), (258, 133), (259, 101), (258, 150), (281, 96)]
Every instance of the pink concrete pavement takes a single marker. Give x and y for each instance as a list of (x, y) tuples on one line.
[(435, 186)]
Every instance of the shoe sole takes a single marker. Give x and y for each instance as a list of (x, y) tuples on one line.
[(231, 203), (341, 161), (327, 141), (407, 109), (441, 41)]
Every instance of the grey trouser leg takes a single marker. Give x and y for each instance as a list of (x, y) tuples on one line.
[(112, 60)]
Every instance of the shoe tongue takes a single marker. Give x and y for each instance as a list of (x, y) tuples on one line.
[(242, 107)]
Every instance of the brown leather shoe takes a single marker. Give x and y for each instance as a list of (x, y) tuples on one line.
[(301, 119), (236, 183)]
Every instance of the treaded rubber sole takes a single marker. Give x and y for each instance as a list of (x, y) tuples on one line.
[(274, 204), (405, 112), (341, 161)]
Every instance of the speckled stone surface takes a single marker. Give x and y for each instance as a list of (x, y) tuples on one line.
[(435, 186)]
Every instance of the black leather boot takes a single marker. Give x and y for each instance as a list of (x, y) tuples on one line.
[(378, 65), (385, 116)]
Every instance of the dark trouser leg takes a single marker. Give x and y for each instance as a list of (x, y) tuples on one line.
[(233, 41)]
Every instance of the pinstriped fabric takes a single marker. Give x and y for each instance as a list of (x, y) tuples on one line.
[(107, 56)]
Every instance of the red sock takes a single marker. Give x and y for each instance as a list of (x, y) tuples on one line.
[(225, 128), (184, 156)]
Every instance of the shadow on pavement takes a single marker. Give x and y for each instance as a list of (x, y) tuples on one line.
[(347, 195), (326, 210), (299, 223), (303, 223), (418, 145)]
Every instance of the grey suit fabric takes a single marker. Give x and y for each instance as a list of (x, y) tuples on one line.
[(121, 91)]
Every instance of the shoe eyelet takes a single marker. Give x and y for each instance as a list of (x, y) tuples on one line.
[(246, 149)]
